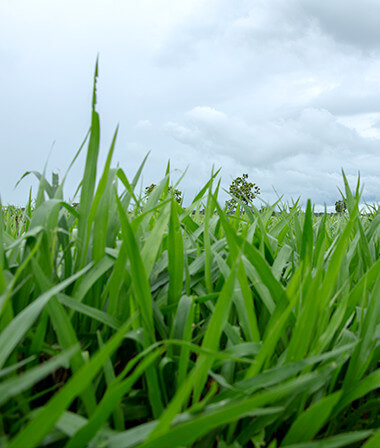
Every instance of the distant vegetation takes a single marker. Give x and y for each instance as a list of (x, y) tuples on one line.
[(340, 206), (241, 191), (130, 321), (177, 193)]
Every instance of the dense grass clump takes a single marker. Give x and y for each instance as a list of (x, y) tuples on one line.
[(134, 322)]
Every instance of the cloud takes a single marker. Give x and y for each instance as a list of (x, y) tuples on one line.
[(313, 132), (269, 21), (345, 100), (143, 124), (349, 22), (367, 124), (286, 89), (346, 22), (298, 156)]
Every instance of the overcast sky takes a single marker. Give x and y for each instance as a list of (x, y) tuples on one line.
[(287, 91)]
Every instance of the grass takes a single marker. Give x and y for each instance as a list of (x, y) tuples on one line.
[(133, 322)]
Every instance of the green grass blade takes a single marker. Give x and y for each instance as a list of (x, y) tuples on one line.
[(89, 176), (139, 277), (337, 441), (223, 413), (374, 441), (98, 215), (15, 385), (111, 399), (360, 389), (175, 253), (153, 242), (43, 423), (109, 373), (198, 375), (66, 335), (89, 311), (309, 423), (17, 328), (307, 235), (365, 349), (143, 299)]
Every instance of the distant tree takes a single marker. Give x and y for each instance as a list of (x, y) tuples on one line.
[(243, 190), (177, 193), (340, 206)]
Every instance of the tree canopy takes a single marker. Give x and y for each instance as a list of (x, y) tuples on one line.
[(340, 206), (243, 190)]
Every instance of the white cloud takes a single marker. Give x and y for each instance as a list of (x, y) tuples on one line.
[(368, 124), (314, 131), (143, 124), (301, 156)]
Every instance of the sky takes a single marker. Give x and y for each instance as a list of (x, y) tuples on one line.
[(287, 91)]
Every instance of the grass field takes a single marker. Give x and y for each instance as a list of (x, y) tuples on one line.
[(133, 322)]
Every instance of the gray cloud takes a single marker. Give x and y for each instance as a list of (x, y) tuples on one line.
[(350, 22), (313, 132), (343, 101), (286, 89), (301, 156)]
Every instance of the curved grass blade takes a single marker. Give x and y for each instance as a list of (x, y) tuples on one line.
[(43, 423), (374, 441), (111, 399), (337, 441), (17, 328), (15, 385), (312, 420), (89, 176)]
